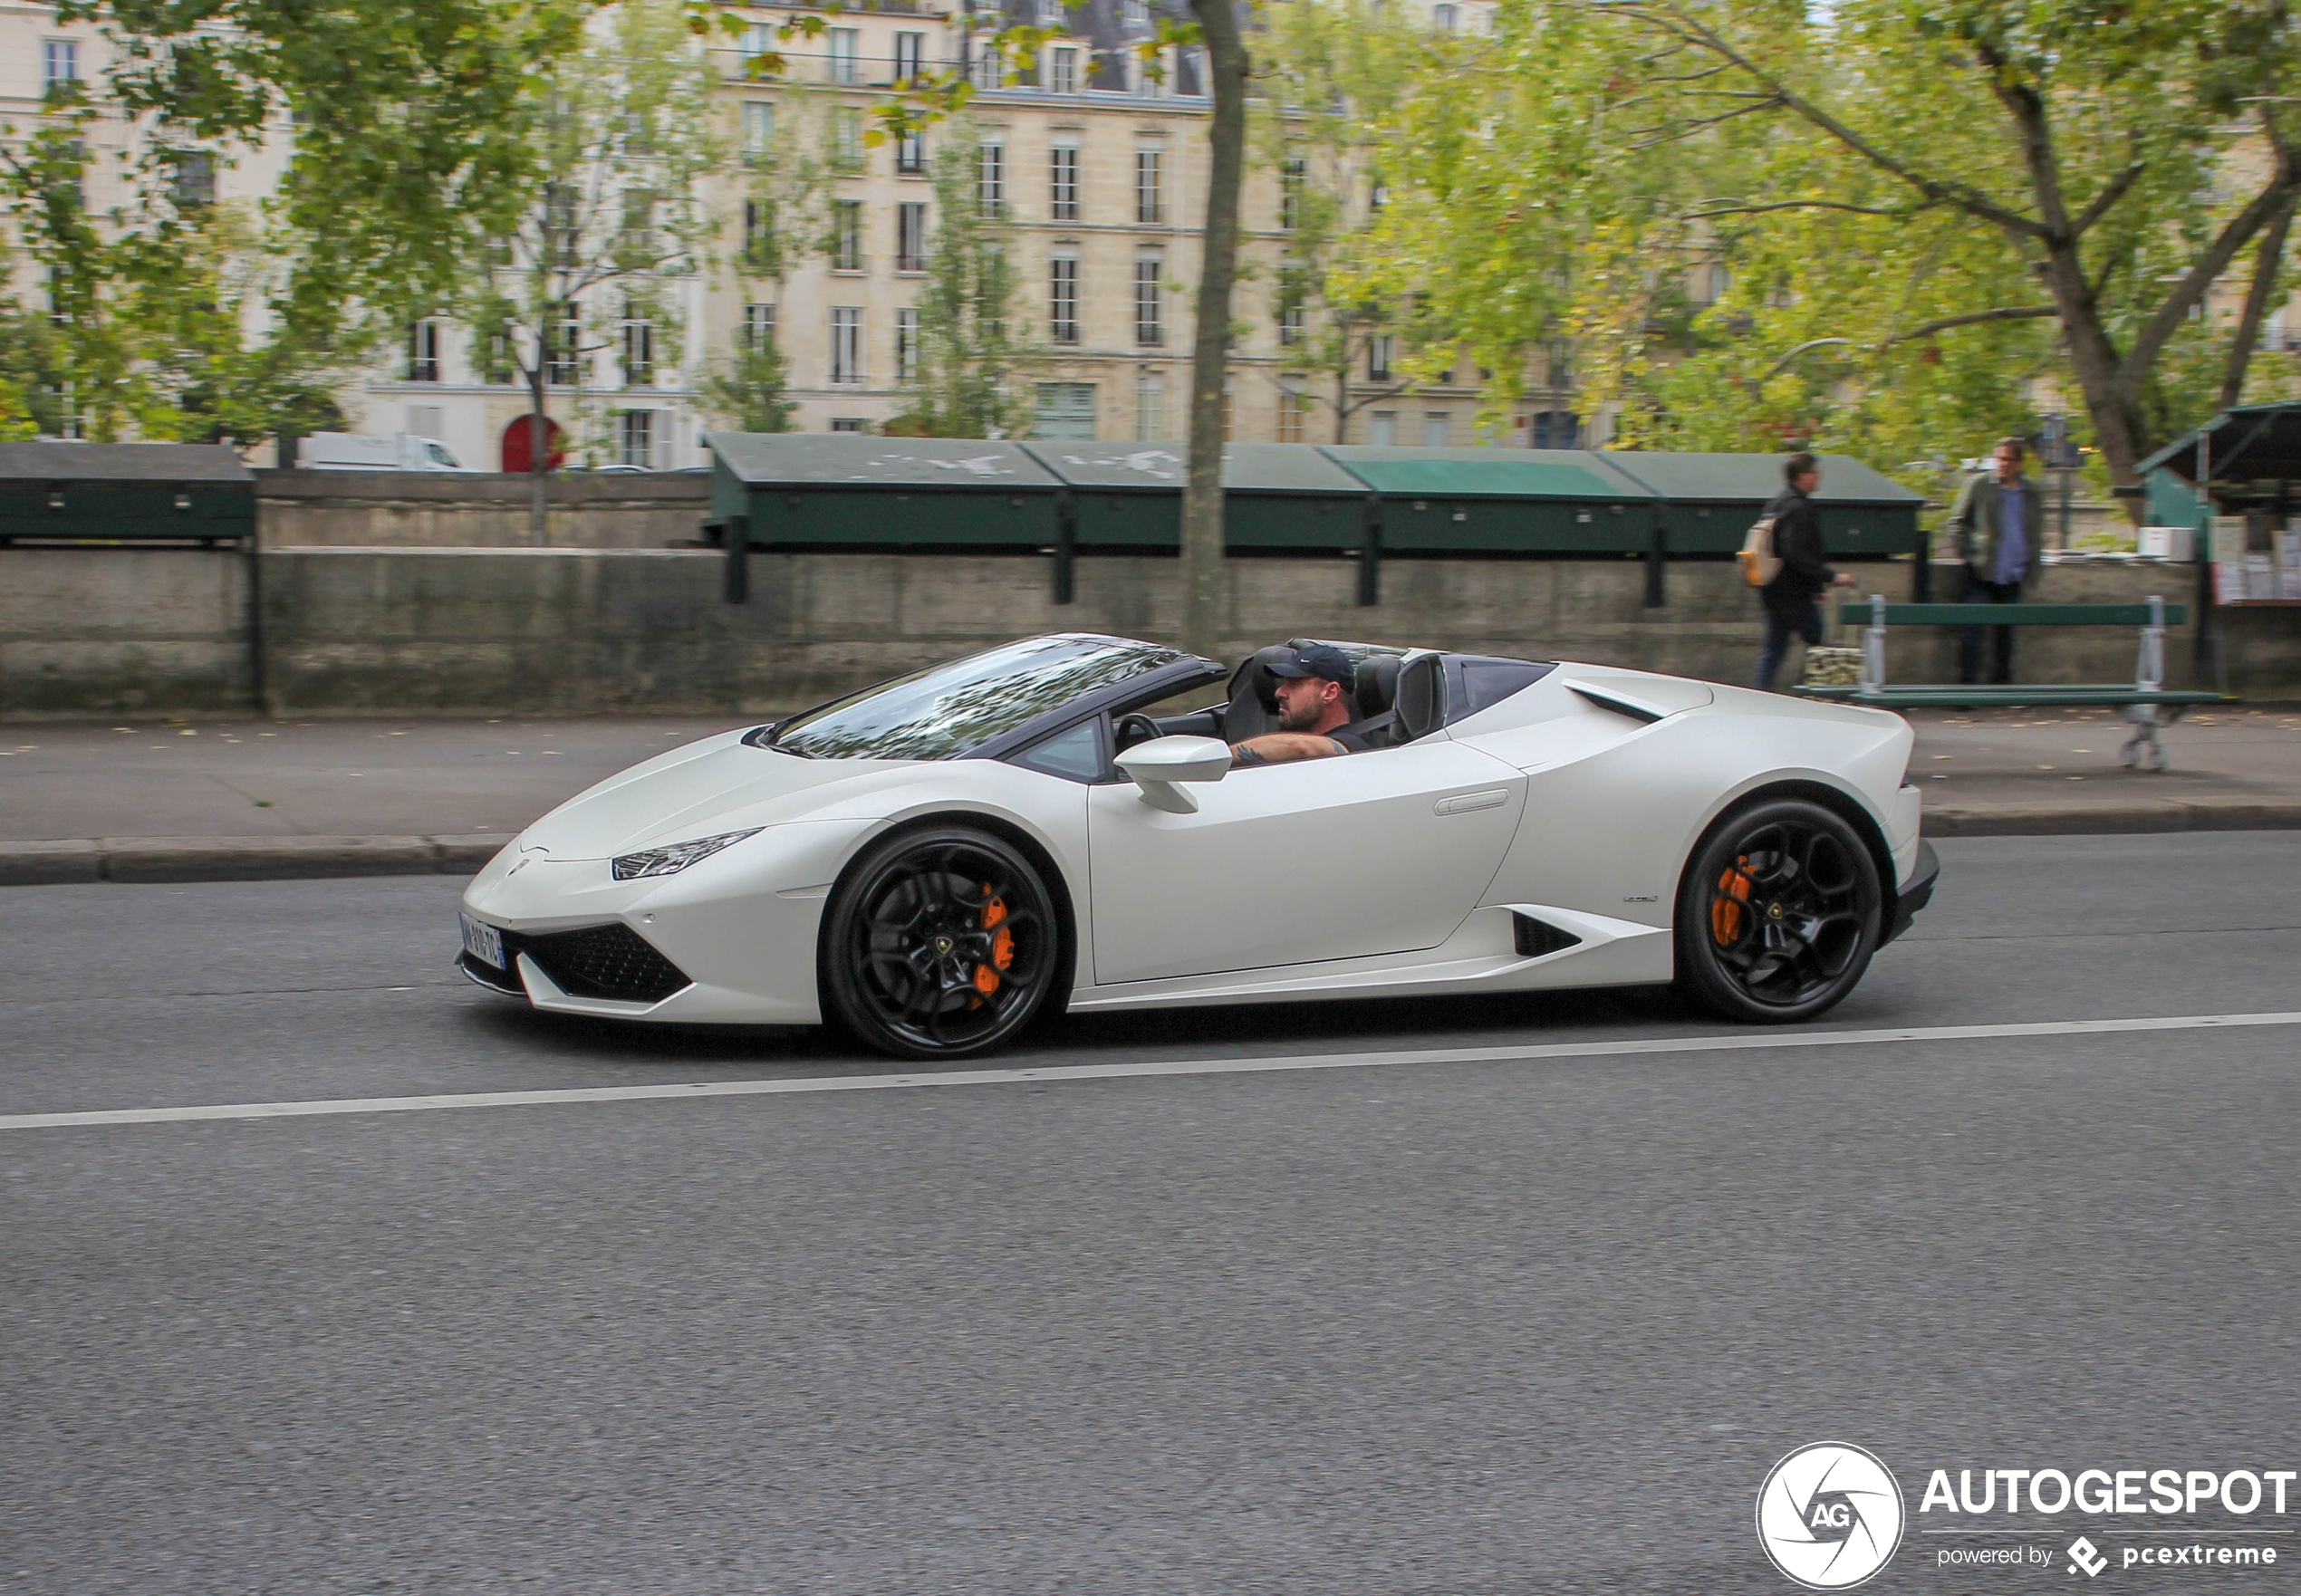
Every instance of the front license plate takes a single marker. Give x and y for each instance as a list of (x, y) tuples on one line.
[(484, 943)]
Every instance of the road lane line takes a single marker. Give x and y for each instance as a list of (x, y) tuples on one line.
[(1736, 1042)]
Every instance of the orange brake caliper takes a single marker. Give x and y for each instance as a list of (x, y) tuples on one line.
[(1725, 908), (1002, 945)]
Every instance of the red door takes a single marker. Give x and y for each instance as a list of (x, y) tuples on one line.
[(518, 455)]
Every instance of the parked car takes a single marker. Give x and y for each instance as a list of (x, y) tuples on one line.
[(368, 451)]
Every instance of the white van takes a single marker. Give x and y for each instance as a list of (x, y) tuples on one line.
[(365, 451)]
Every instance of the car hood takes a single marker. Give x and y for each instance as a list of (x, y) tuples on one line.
[(716, 784)]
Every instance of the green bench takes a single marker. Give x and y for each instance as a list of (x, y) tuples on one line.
[(2148, 703)]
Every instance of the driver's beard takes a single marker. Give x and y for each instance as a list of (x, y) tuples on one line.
[(1300, 713)]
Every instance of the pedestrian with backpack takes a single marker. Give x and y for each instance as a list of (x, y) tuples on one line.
[(1783, 559)]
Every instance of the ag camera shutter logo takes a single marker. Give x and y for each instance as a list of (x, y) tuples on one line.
[(1829, 1516)]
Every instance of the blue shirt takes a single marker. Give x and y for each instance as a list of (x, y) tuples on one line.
[(2013, 534)]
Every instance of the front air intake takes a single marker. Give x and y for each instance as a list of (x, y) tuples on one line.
[(1536, 938), (604, 961)]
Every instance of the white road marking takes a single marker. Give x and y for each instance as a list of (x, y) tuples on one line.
[(1736, 1042)]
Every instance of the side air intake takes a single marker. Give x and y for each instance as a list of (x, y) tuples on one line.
[(1537, 938)]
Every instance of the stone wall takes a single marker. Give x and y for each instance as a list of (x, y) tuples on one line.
[(445, 509), (465, 630)]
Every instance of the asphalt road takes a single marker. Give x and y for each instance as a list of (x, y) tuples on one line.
[(1507, 1326)]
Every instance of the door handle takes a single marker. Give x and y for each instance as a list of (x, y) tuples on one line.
[(1464, 803)]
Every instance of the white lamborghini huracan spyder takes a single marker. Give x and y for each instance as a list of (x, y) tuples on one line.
[(933, 861)]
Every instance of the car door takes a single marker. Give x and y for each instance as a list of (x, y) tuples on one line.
[(1380, 852)]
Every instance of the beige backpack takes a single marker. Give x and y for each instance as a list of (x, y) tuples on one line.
[(1760, 565)]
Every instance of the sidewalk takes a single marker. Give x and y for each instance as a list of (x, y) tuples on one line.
[(245, 800)]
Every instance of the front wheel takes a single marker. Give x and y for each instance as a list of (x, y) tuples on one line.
[(940, 944), (1779, 912)]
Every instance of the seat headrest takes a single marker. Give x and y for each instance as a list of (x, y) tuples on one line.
[(1254, 695), (1422, 697), (1377, 688)]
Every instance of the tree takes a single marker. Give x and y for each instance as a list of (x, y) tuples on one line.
[(1921, 212), (971, 347), (1333, 73), (177, 317), (165, 316), (749, 393), (618, 137)]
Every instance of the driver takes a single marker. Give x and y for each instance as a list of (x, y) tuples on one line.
[(1314, 711)]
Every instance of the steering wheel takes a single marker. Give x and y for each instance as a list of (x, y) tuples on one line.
[(1135, 728)]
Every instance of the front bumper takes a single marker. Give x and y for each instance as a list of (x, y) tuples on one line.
[(1916, 892)]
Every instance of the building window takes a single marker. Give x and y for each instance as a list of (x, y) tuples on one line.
[(846, 236), (846, 344), (423, 353), (59, 63), (990, 177), (1149, 407), (193, 183), (502, 363), (636, 442), (1063, 298), (639, 352), (758, 234), (564, 360), (758, 327), (1446, 19), (1380, 350), (1435, 427), (1150, 187), (1558, 364), (758, 40), (1063, 180), (1137, 14), (1063, 410), (1151, 75), (1063, 70), (1382, 428), (1378, 194), (758, 130), (1293, 404), (846, 424), (847, 46), (984, 70), (1053, 13), (911, 152), (1290, 194), (1150, 303), (911, 53), (1557, 429), (1291, 317), (847, 136), (910, 236), (907, 346)]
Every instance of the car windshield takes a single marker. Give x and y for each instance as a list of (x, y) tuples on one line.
[(949, 710)]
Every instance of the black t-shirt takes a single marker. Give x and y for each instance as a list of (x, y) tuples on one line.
[(1350, 741)]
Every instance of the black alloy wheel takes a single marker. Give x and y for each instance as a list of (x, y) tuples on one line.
[(1780, 913), (940, 944)]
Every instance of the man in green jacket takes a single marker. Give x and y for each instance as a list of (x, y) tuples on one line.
[(1997, 519)]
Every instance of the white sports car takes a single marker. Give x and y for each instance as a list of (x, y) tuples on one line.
[(1056, 824)]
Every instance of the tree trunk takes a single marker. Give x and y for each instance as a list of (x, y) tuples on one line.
[(2267, 259), (1202, 533), (538, 456)]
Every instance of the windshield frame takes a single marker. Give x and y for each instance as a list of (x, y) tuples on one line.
[(1144, 687)]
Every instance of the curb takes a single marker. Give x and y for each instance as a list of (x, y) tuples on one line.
[(2114, 816), (240, 859)]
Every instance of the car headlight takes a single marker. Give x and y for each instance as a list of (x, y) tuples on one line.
[(671, 861)]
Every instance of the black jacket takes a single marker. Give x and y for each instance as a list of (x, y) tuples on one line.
[(1797, 541)]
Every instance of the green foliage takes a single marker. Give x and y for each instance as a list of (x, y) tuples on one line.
[(971, 355), (1872, 180), (750, 390)]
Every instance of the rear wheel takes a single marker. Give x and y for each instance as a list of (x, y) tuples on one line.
[(940, 944), (1780, 913)]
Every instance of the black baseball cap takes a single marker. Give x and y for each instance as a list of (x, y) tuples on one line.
[(1318, 659)]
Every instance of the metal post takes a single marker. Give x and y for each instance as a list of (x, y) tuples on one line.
[(1369, 554), (1873, 646), (737, 532), (1066, 548), (1657, 555), (256, 685)]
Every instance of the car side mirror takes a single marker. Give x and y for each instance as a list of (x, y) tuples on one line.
[(1158, 765)]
